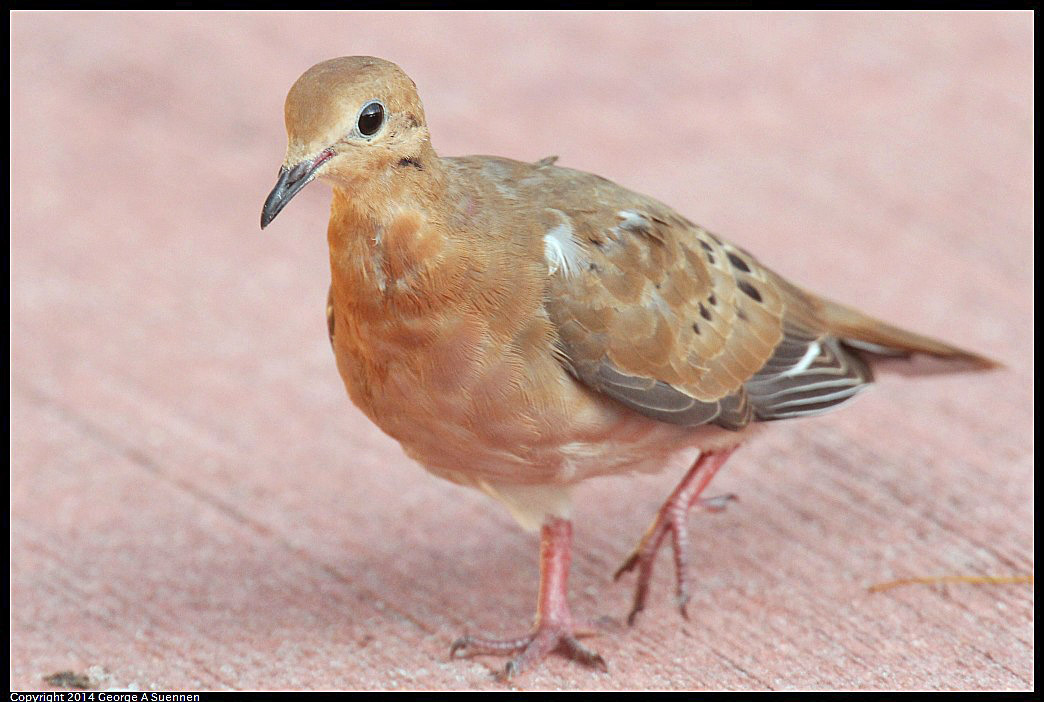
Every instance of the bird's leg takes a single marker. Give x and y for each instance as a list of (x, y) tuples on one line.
[(554, 629), (672, 518)]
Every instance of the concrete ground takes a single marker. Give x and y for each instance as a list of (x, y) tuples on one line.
[(195, 503)]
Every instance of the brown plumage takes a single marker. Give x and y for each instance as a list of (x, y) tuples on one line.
[(520, 327)]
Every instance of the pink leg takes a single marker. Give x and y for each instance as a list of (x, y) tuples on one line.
[(672, 518), (554, 629)]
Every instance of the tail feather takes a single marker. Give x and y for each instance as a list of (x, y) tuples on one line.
[(893, 349)]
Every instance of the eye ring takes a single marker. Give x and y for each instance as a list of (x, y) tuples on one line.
[(370, 119)]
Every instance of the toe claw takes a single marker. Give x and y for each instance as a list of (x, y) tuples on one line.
[(682, 595), (582, 653), (634, 614), (627, 566), (459, 644), (718, 503), (683, 604), (595, 661)]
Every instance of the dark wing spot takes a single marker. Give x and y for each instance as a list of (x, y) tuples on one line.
[(705, 245), (712, 300), (710, 258), (704, 312), (696, 327), (741, 314), (738, 262), (749, 290)]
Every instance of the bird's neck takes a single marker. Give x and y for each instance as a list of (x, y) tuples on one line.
[(423, 269), (385, 248)]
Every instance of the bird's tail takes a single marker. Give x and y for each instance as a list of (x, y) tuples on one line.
[(892, 349)]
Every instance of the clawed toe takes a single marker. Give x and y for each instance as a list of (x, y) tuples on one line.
[(467, 646), (672, 522), (672, 519), (530, 649)]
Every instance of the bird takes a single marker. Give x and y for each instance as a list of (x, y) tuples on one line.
[(521, 327)]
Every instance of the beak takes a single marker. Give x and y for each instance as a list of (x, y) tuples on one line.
[(291, 181)]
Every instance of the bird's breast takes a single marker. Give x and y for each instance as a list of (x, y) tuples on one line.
[(443, 346), (443, 341), (474, 409)]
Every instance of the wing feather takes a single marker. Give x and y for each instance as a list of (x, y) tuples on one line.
[(658, 318), (672, 321)]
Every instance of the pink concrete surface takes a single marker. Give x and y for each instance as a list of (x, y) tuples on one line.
[(195, 503)]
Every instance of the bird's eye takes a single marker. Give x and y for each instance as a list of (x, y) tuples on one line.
[(371, 117)]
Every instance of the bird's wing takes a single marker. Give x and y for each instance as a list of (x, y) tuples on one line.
[(679, 325)]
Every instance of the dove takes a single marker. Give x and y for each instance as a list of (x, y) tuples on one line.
[(521, 327)]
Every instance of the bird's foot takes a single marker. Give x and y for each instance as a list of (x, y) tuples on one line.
[(546, 638), (555, 628), (672, 519)]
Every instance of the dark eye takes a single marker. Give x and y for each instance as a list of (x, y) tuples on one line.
[(371, 117)]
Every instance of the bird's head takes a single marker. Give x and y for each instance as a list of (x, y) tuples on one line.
[(347, 119)]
